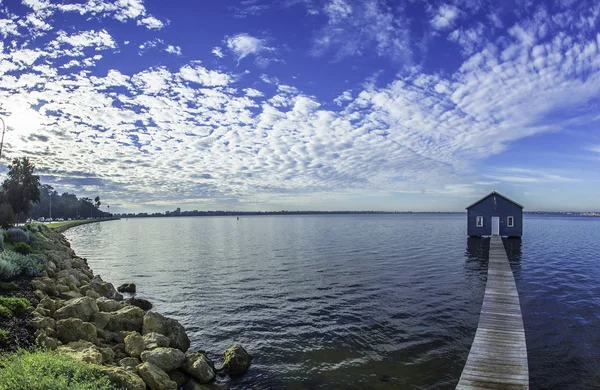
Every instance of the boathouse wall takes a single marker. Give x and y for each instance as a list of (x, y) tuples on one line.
[(495, 205)]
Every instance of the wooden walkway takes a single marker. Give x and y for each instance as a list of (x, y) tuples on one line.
[(498, 356)]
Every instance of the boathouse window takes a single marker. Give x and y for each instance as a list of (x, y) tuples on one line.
[(510, 221), (479, 221)]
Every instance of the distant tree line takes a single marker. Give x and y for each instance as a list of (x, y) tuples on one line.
[(196, 213), (23, 196)]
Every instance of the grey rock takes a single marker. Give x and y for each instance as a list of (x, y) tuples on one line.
[(236, 361), (155, 378), (108, 305), (82, 350), (143, 304), (167, 359), (73, 329), (129, 318), (154, 340), (100, 319), (130, 362), (156, 322), (134, 344), (127, 288), (82, 308), (105, 289), (199, 367)]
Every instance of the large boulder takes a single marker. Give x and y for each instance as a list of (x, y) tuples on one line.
[(129, 363), (143, 304), (155, 378), (82, 308), (127, 288), (134, 344), (154, 340), (123, 377), (41, 322), (167, 359), (100, 319), (105, 289), (46, 285), (48, 304), (156, 322), (73, 329), (236, 361), (129, 318), (108, 305), (82, 350), (199, 367)]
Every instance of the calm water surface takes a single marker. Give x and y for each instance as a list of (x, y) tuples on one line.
[(357, 301)]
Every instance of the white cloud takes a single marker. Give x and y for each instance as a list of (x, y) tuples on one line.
[(419, 132), (218, 51), (199, 74), (98, 39), (361, 27), (151, 23), (445, 17), (243, 45), (173, 50)]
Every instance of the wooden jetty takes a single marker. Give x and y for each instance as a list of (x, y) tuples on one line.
[(498, 356)]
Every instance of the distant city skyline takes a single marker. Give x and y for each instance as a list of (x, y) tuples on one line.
[(333, 105)]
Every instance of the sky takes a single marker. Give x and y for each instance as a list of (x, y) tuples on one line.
[(305, 104)]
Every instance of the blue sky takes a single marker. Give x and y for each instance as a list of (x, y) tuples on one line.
[(301, 104)]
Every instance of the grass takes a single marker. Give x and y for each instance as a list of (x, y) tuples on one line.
[(62, 226), (10, 306), (45, 370), (3, 335)]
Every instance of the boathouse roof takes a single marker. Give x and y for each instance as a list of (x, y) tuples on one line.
[(497, 194)]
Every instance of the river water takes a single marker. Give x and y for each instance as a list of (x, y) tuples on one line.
[(357, 301)]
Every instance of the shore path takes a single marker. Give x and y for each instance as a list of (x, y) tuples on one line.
[(498, 356)]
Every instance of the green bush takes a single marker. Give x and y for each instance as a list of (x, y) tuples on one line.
[(17, 235), (13, 306), (5, 313), (22, 248), (7, 216), (8, 269), (8, 286), (3, 335), (42, 370), (13, 264)]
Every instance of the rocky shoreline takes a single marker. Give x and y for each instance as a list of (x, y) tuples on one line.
[(81, 315)]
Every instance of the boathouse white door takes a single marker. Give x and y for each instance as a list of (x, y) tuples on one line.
[(495, 226)]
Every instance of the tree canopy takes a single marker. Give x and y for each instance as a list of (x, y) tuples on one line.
[(21, 187)]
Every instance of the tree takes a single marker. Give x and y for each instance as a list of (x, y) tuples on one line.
[(7, 216), (21, 187)]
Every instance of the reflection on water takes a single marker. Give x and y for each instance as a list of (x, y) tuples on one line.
[(343, 302)]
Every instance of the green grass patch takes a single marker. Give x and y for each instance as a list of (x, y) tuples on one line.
[(8, 286), (10, 306), (45, 370)]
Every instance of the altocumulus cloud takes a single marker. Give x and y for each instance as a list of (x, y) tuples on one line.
[(195, 133)]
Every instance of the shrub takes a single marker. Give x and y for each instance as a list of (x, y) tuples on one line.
[(3, 335), (13, 305), (40, 369), (2, 241), (5, 312), (17, 235), (8, 286), (7, 216), (8, 269), (13, 264), (5, 237), (22, 248)]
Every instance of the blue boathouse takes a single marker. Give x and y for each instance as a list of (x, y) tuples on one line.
[(495, 214)]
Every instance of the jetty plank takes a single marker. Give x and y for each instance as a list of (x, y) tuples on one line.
[(498, 356)]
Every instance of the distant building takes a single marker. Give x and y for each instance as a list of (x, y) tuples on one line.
[(495, 214)]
